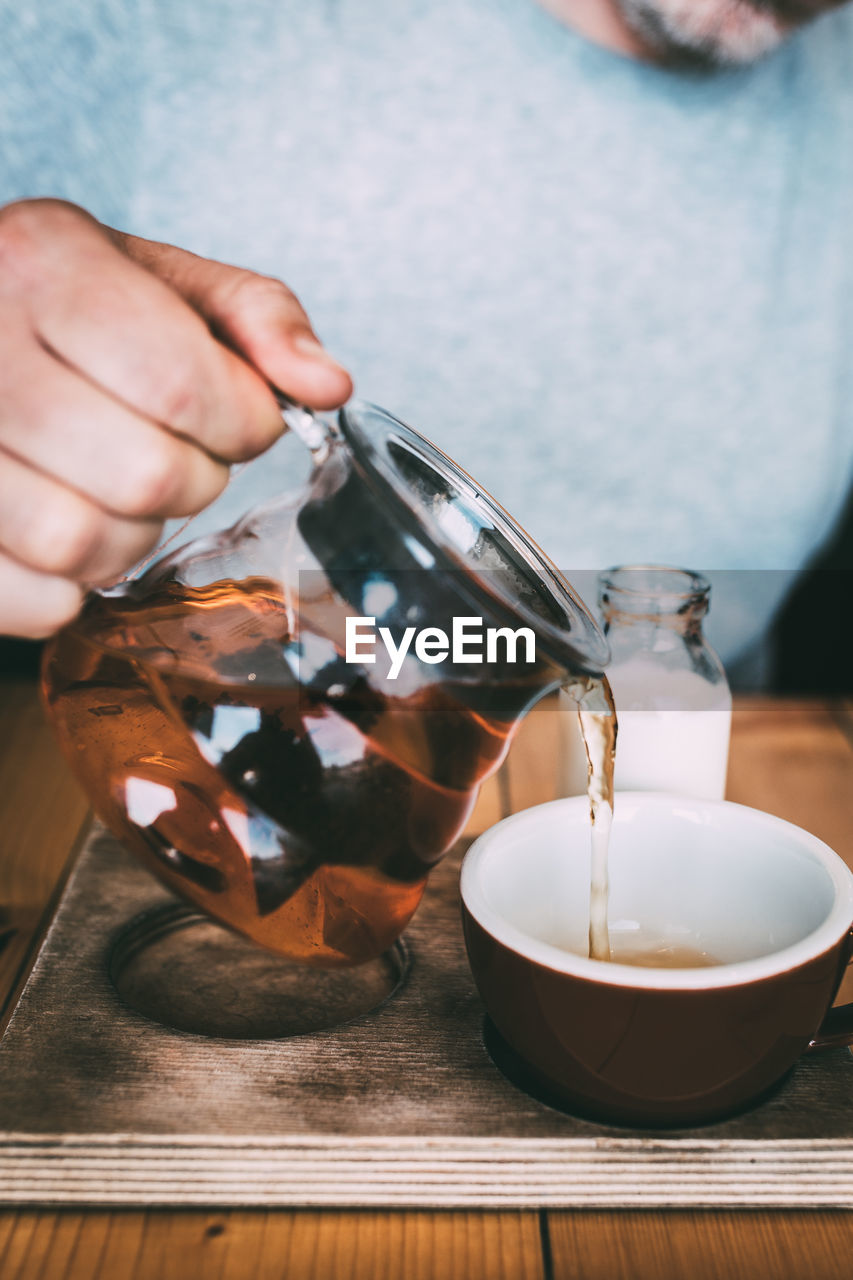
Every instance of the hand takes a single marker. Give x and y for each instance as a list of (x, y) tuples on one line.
[(131, 375)]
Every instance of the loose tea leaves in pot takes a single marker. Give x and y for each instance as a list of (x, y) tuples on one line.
[(268, 718)]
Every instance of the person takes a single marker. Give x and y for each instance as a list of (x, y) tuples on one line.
[(599, 250)]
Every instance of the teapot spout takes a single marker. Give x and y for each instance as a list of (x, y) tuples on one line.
[(591, 693)]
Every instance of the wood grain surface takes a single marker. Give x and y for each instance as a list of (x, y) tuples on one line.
[(237, 1245), (43, 809), (43, 815), (780, 758), (699, 1246)]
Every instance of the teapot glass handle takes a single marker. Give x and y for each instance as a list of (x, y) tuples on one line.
[(311, 430)]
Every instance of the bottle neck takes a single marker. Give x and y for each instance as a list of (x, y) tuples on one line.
[(651, 598)]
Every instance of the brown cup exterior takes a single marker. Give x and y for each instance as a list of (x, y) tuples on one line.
[(652, 1057)]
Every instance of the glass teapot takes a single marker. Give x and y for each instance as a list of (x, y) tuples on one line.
[(288, 721)]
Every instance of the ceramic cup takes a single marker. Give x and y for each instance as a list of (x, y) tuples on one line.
[(660, 1046)]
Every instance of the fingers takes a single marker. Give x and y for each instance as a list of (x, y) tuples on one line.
[(35, 604), (256, 315), (52, 530), (128, 332), (64, 426), (131, 373)]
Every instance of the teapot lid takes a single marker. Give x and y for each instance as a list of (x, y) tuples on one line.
[(466, 529)]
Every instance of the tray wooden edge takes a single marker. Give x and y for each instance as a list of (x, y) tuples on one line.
[(418, 1172)]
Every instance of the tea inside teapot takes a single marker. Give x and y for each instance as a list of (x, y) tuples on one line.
[(217, 718)]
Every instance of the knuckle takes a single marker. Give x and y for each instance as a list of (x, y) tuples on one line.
[(64, 537), (58, 603), (133, 539), (20, 237), (217, 480), (26, 226), (259, 430), (66, 605), (151, 482), (249, 292), (204, 481), (178, 399)]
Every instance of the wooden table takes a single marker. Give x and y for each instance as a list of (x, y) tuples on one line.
[(794, 759)]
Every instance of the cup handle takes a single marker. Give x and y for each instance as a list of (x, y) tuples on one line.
[(836, 1029)]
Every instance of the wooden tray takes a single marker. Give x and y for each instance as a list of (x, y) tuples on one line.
[(100, 1104)]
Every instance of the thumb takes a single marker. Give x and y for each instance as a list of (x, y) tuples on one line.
[(257, 316)]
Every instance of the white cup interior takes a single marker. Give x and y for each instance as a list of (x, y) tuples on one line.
[(755, 893)]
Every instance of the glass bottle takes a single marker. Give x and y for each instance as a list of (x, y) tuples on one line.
[(672, 697)]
